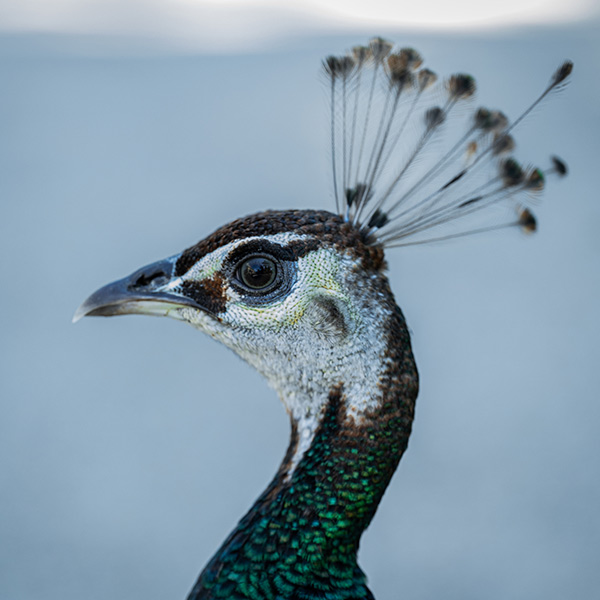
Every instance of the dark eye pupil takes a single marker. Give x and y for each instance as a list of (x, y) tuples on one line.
[(258, 272)]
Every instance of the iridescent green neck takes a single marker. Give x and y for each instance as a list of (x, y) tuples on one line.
[(301, 537)]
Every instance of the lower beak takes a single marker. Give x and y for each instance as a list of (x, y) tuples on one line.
[(152, 290)]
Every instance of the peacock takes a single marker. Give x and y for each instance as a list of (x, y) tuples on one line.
[(302, 295)]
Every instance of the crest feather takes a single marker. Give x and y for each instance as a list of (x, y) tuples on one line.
[(386, 114)]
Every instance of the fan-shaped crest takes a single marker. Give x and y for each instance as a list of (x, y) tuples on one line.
[(387, 112)]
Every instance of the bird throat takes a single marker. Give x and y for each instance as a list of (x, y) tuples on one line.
[(300, 539)]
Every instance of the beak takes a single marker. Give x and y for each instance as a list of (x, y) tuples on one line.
[(151, 290)]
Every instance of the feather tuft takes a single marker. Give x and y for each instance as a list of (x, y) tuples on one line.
[(389, 181)]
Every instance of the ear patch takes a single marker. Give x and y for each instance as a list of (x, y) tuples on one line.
[(328, 317)]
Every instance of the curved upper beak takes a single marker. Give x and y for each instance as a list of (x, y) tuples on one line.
[(151, 290)]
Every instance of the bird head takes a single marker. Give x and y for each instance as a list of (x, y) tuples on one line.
[(300, 295)]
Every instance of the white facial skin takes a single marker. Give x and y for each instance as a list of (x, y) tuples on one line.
[(325, 331)]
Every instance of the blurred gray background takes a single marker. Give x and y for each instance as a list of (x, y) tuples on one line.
[(130, 447)]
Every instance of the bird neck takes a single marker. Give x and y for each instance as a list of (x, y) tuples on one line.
[(301, 537)]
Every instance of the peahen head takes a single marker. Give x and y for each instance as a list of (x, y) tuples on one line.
[(303, 297), (300, 295)]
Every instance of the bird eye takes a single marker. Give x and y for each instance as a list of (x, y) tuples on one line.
[(257, 272)]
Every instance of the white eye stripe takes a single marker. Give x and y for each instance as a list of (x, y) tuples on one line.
[(211, 263)]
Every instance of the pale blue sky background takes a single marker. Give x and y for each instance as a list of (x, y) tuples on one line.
[(130, 447)]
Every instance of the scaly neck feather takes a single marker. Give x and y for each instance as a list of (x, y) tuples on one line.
[(301, 537)]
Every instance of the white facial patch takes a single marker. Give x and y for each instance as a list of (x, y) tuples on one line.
[(210, 264)]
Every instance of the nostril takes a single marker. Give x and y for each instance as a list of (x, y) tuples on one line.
[(154, 279)]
